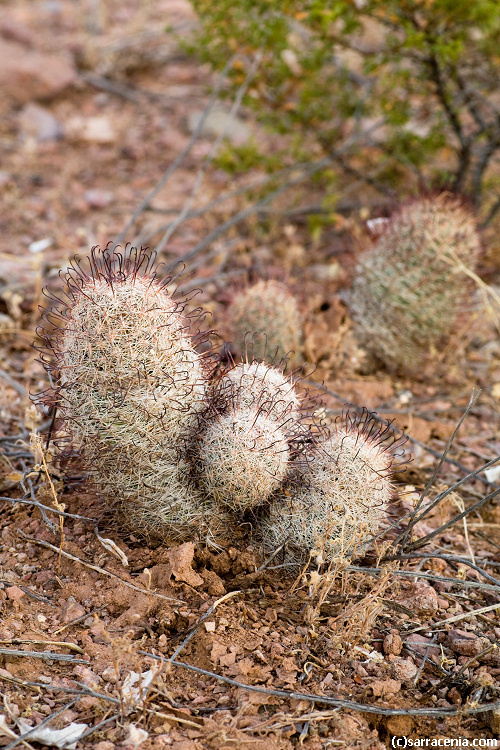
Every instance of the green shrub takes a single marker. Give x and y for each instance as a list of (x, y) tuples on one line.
[(427, 72)]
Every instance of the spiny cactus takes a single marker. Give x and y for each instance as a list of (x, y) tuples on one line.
[(245, 457), (128, 384), (343, 496), (250, 435), (410, 287), (267, 316), (257, 381)]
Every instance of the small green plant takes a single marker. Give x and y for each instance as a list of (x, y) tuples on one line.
[(128, 385), (266, 318), (410, 287), (341, 499)]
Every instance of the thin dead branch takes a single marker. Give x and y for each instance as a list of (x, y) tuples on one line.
[(329, 701), (103, 571), (45, 655)]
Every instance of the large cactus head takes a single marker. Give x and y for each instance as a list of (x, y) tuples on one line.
[(127, 382), (410, 286), (343, 497), (265, 317)]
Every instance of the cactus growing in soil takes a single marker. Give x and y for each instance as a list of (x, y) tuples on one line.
[(128, 385), (245, 457), (266, 314), (343, 497), (410, 286)]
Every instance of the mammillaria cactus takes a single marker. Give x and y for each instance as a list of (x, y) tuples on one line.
[(252, 381), (410, 286), (249, 436), (128, 384), (343, 497), (245, 457), (266, 316)]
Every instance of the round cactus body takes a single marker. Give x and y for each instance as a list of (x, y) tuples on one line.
[(342, 499), (245, 458), (265, 319), (410, 286), (258, 382), (129, 386)]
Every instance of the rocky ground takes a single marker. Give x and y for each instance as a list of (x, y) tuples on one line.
[(177, 646)]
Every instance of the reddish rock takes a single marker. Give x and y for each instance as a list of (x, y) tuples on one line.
[(14, 593), (420, 643), (73, 611), (403, 669), (44, 576), (463, 643), (385, 688), (393, 644), (27, 74), (215, 585), (399, 726), (420, 598)]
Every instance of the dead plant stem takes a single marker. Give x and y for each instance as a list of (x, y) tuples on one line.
[(103, 571)]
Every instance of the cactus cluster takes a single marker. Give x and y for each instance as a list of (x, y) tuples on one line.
[(266, 317), (409, 287), (179, 446)]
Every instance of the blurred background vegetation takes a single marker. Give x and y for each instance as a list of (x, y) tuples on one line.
[(402, 94)]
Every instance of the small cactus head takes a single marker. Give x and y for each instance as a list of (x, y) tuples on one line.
[(251, 436), (244, 458), (344, 495), (265, 317), (410, 286), (252, 382)]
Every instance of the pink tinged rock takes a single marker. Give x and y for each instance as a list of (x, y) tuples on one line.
[(392, 644), (14, 593), (385, 688), (27, 74), (403, 669), (420, 643), (465, 644), (420, 598), (37, 122), (98, 198)]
